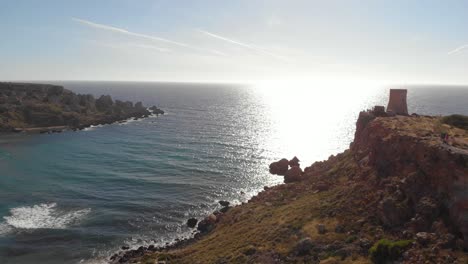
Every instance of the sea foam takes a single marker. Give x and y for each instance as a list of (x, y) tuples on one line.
[(45, 216)]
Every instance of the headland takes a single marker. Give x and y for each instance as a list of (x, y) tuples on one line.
[(28, 107)]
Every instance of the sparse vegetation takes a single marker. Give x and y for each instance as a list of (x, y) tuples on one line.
[(460, 121), (386, 250)]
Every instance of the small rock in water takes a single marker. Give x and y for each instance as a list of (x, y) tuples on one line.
[(224, 203), (192, 222), (125, 247)]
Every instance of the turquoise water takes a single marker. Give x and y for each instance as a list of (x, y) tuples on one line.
[(79, 196)]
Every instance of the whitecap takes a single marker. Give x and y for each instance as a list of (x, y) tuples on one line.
[(5, 229), (92, 127), (45, 216)]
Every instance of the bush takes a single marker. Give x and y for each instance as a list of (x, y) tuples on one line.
[(459, 121), (351, 239), (385, 250)]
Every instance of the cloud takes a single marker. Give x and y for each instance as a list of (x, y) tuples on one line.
[(245, 45), (143, 36), (458, 49)]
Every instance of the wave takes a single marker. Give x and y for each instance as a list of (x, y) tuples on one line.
[(5, 229), (92, 127), (42, 216)]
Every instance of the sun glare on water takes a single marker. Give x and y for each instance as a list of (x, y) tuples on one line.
[(313, 120)]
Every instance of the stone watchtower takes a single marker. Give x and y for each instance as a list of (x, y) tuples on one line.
[(397, 102)]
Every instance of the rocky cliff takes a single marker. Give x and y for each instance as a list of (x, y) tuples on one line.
[(43, 107), (398, 195)]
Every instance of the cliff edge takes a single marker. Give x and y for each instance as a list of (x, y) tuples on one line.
[(399, 194)]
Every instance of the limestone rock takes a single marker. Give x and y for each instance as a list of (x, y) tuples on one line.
[(392, 212), (279, 167), (294, 162), (293, 174), (304, 246)]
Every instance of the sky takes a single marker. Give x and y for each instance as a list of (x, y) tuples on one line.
[(396, 41)]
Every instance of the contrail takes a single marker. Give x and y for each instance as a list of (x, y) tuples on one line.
[(458, 49), (124, 31), (245, 45), (148, 37)]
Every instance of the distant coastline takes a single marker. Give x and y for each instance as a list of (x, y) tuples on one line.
[(46, 108)]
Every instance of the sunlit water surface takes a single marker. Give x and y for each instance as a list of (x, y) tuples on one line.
[(79, 196)]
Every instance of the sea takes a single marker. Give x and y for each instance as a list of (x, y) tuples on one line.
[(78, 197)]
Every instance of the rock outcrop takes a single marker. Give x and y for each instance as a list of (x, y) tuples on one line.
[(426, 175), (43, 108), (279, 167), (289, 169)]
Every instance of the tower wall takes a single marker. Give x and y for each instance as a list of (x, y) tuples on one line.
[(397, 102)]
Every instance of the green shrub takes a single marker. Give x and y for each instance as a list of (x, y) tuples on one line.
[(351, 239), (459, 121), (386, 250)]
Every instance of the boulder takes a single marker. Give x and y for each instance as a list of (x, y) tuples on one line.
[(294, 162), (322, 186), (224, 203), (207, 224), (321, 229), (156, 110), (279, 167), (392, 212), (424, 238), (304, 246), (294, 174), (192, 222), (250, 250)]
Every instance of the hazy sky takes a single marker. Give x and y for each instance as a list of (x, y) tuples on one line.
[(399, 41)]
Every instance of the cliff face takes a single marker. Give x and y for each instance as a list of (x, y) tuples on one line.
[(398, 194), (410, 151), (30, 106)]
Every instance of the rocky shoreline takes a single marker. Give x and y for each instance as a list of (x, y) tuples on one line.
[(44, 108), (397, 195)]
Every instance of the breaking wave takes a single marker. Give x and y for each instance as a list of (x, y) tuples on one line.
[(42, 216)]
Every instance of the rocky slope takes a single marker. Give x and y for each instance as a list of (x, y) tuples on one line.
[(43, 107), (398, 195)]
